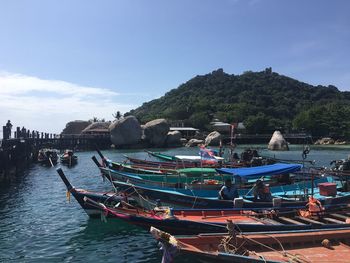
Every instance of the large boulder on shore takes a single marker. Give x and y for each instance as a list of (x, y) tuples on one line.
[(277, 142), (126, 131), (155, 132), (100, 127), (213, 139), (173, 138), (75, 127), (194, 142)]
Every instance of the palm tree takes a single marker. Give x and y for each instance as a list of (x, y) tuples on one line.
[(117, 115)]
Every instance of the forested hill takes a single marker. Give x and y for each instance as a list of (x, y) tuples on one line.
[(262, 100)]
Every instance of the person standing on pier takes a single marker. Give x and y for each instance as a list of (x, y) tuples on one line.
[(9, 128)]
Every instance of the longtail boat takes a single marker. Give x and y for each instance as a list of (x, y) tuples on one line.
[(162, 156), (68, 158), (166, 180), (214, 161), (147, 196), (206, 178), (140, 169), (181, 221), (207, 186), (136, 170), (195, 221), (293, 247), (160, 165), (47, 156), (110, 198)]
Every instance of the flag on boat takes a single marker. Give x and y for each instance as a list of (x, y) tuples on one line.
[(207, 155)]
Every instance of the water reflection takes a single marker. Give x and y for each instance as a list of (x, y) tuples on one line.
[(114, 241)]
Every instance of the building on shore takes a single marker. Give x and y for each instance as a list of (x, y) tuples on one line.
[(186, 132)]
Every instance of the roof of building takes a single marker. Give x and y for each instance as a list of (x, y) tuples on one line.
[(222, 124), (219, 123), (183, 129)]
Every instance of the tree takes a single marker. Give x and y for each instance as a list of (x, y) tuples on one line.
[(263, 100), (94, 119), (199, 120), (117, 115), (324, 120), (256, 124)]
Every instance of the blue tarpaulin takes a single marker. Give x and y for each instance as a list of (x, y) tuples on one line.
[(264, 170)]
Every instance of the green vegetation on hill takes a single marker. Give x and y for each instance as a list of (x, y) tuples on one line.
[(263, 101)]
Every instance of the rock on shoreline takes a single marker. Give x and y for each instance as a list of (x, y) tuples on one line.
[(330, 141), (277, 142), (126, 131)]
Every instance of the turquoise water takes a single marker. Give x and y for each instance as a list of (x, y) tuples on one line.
[(37, 224)]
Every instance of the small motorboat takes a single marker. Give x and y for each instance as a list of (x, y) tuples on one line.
[(48, 156), (69, 158)]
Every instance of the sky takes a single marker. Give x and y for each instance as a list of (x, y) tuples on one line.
[(65, 60)]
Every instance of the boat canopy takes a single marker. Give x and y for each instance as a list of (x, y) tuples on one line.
[(197, 171), (264, 170)]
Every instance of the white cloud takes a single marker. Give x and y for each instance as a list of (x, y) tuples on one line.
[(47, 105), (20, 84)]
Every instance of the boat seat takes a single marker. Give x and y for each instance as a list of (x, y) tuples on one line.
[(310, 220), (291, 221), (270, 221), (339, 216), (332, 220)]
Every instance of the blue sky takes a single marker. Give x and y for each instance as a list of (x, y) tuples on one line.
[(72, 59)]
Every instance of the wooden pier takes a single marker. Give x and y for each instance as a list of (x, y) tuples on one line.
[(18, 152)]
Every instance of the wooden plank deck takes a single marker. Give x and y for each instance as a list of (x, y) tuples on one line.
[(291, 221), (310, 220)]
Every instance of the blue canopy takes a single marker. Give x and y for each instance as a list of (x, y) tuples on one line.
[(264, 170)]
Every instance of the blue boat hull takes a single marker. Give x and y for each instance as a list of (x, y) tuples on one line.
[(147, 197)]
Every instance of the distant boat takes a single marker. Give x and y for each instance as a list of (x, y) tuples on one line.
[(162, 164), (47, 156), (69, 158), (198, 160)]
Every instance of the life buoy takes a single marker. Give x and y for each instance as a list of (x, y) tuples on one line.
[(211, 182)]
